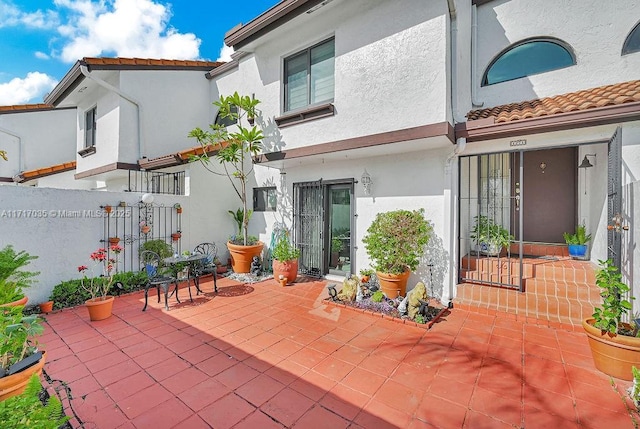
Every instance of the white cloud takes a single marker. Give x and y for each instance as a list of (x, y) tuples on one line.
[(225, 53), (12, 16), (41, 55), (19, 91), (125, 28)]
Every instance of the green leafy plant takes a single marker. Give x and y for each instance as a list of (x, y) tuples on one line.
[(18, 335), (26, 411), (366, 272), (486, 230), (234, 148), (238, 218), (634, 391), (377, 296), (284, 250), (240, 240), (13, 279), (336, 245), (158, 246), (420, 319), (580, 237), (395, 240), (608, 317)]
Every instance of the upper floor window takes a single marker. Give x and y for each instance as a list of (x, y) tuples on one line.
[(527, 58), (90, 127), (309, 76), (632, 42), (227, 121)]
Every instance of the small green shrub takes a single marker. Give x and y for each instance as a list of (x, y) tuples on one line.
[(420, 319), (284, 250), (25, 411), (377, 296), (12, 279), (161, 247), (580, 237)]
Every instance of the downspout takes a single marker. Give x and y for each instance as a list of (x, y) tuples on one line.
[(20, 160), (85, 71), (474, 56)]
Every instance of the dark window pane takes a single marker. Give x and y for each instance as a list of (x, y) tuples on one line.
[(227, 121), (264, 199), (296, 82), (632, 44), (90, 128), (529, 58)]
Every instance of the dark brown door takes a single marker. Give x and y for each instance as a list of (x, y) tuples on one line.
[(549, 194)]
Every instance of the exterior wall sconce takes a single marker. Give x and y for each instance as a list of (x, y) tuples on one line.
[(543, 166), (585, 161), (366, 182)]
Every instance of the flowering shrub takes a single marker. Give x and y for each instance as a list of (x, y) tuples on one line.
[(104, 265)]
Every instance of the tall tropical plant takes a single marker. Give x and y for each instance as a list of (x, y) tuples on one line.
[(235, 146)]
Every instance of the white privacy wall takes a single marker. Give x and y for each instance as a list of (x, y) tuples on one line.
[(595, 30)]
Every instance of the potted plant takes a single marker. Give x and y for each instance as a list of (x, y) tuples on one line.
[(395, 243), (26, 410), (13, 279), (336, 247), (489, 236), (578, 242), (144, 227), (285, 259), (365, 275), (19, 355), (178, 208), (100, 303), (176, 236), (46, 307), (614, 344), (235, 151)]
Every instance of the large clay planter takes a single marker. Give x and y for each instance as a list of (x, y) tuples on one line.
[(286, 269), (21, 301), (99, 308), (393, 285), (241, 256), (15, 384), (613, 354)]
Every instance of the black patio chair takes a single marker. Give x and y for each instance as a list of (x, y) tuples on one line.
[(157, 278), (206, 266)]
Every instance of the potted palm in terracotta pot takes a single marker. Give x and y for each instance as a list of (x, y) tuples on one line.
[(104, 262), (395, 243), (235, 146), (13, 278), (285, 260), (614, 344)]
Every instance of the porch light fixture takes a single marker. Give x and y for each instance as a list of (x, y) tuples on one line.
[(366, 182), (585, 161)]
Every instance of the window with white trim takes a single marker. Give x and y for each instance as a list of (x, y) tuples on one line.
[(309, 76)]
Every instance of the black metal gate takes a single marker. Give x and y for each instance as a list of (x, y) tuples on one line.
[(308, 226), (614, 198)]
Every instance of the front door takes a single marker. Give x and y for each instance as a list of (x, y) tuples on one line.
[(548, 194)]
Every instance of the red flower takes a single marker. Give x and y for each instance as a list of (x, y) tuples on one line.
[(82, 268), (116, 248)]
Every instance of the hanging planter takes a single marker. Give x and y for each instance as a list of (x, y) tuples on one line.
[(178, 208), (176, 236), (144, 228), (107, 209), (114, 240)]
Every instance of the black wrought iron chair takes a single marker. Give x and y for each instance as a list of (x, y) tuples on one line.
[(157, 278), (206, 266)]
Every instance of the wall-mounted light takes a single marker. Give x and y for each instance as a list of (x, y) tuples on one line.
[(585, 161), (543, 166), (366, 182), (147, 198)]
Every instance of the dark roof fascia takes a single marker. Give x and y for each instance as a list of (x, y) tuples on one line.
[(69, 82), (123, 67), (6, 179), (480, 2), (35, 110), (485, 129), (228, 66), (273, 18), (107, 168)]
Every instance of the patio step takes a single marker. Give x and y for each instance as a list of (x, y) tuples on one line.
[(559, 292)]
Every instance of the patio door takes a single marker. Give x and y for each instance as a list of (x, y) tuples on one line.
[(323, 224)]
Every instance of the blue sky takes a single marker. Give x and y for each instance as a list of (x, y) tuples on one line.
[(40, 40)]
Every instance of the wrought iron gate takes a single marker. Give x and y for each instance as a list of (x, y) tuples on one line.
[(491, 198), (614, 198), (308, 226)]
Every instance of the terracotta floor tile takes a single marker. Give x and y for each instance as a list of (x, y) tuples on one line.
[(167, 414), (452, 390), (441, 413), (474, 420), (108, 418), (193, 422), (237, 375), (256, 420), (380, 416), (313, 385), (226, 412), (183, 380), (128, 386), (286, 372), (351, 354), (216, 364), (319, 418), (153, 395), (260, 389), (203, 394), (507, 408), (199, 354), (287, 406), (167, 368), (307, 357), (344, 401), (285, 347), (333, 368), (363, 381)]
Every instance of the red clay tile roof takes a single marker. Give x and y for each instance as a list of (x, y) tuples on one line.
[(45, 171), (178, 158), (25, 108), (118, 61), (609, 95)]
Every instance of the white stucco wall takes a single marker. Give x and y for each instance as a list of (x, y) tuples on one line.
[(47, 138), (594, 30)]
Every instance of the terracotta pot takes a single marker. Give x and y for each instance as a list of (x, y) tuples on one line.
[(283, 281), (613, 354), (114, 241), (107, 209), (46, 307), (365, 279), (288, 269), (241, 256), (15, 384), (21, 301), (145, 229), (176, 236), (179, 210), (393, 285), (100, 308)]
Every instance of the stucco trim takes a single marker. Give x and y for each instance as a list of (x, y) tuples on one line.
[(307, 114), (106, 168), (407, 134), (485, 129), (273, 18)]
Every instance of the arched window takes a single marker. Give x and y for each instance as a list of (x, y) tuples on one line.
[(527, 58), (632, 42)]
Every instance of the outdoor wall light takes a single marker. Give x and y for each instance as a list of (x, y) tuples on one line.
[(147, 198), (543, 166), (366, 182), (585, 161)]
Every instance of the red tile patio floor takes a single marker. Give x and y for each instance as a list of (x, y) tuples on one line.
[(263, 356)]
